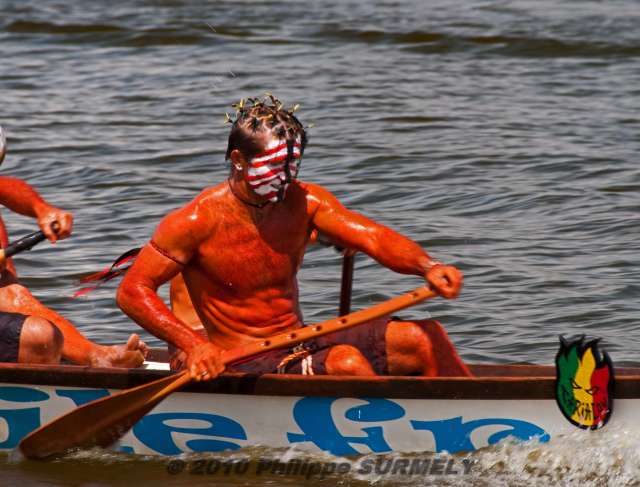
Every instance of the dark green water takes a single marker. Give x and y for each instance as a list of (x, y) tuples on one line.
[(503, 136)]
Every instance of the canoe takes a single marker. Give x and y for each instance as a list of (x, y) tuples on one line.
[(337, 415)]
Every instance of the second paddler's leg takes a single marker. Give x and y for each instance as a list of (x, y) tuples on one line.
[(29, 339), (24, 339), (15, 298), (40, 342)]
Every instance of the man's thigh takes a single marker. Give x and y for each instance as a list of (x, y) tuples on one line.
[(368, 338)]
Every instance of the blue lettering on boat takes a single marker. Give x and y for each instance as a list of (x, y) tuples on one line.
[(154, 431), (453, 436), (313, 416), (22, 394), (82, 396), (22, 421)]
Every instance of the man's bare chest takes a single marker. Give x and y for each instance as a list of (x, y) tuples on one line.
[(266, 252)]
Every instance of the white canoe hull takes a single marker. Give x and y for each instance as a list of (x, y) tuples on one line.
[(210, 422)]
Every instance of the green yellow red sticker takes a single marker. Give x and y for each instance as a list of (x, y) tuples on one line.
[(584, 383)]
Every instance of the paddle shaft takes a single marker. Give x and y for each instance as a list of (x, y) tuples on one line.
[(26, 243)]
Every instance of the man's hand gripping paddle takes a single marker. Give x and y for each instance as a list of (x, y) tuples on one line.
[(104, 421)]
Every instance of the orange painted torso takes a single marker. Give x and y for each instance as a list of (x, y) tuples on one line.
[(239, 263), (242, 278)]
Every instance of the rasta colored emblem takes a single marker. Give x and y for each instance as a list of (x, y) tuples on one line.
[(584, 383)]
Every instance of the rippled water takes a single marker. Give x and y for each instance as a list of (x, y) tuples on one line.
[(502, 136), (610, 458)]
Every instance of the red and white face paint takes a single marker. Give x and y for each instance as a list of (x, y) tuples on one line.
[(268, 174)]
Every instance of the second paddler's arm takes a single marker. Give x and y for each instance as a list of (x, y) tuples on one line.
[(22, 198), (171, 247), (393, 250)]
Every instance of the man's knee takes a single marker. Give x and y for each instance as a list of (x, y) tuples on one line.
[(406, 337), (347, 360), (409, 350), (40, 342)]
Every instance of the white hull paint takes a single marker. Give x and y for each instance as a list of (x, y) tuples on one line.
[(188, 422)]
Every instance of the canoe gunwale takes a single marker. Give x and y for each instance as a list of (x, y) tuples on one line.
[(497, 386)]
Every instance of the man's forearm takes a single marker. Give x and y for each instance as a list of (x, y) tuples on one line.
[(144, 306), (399, 253), (20, 197)]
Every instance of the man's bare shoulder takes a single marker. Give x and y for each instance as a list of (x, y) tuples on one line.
[(202, 203), (195, 219), (315, 191), (213, 193), (317, 195)]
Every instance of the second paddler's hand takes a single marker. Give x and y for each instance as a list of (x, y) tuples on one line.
[(204, 361), (55, 223), (446, 280), (129, 355)]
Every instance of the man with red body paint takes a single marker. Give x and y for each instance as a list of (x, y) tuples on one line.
[(239, 245), (29, 331)]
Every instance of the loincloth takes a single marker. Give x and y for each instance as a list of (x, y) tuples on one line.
[(10, 329), (311, 357)]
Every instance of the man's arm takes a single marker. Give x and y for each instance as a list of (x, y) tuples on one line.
[(172, 246), (393, 250), (21, 198)]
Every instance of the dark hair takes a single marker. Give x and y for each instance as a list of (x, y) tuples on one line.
[(255, 115)]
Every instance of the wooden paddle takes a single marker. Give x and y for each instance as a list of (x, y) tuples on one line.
[(104, 421)]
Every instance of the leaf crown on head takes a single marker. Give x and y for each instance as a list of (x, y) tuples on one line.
[(263, 114)]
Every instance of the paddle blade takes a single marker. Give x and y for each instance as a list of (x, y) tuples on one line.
[(101, 422)]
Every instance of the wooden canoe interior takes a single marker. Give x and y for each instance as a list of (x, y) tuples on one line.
[(521, 381)]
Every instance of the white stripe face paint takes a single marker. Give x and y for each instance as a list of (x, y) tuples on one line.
[(267, 174)]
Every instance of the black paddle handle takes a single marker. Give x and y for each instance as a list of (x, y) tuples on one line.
[(25, 243), (28, 241)]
